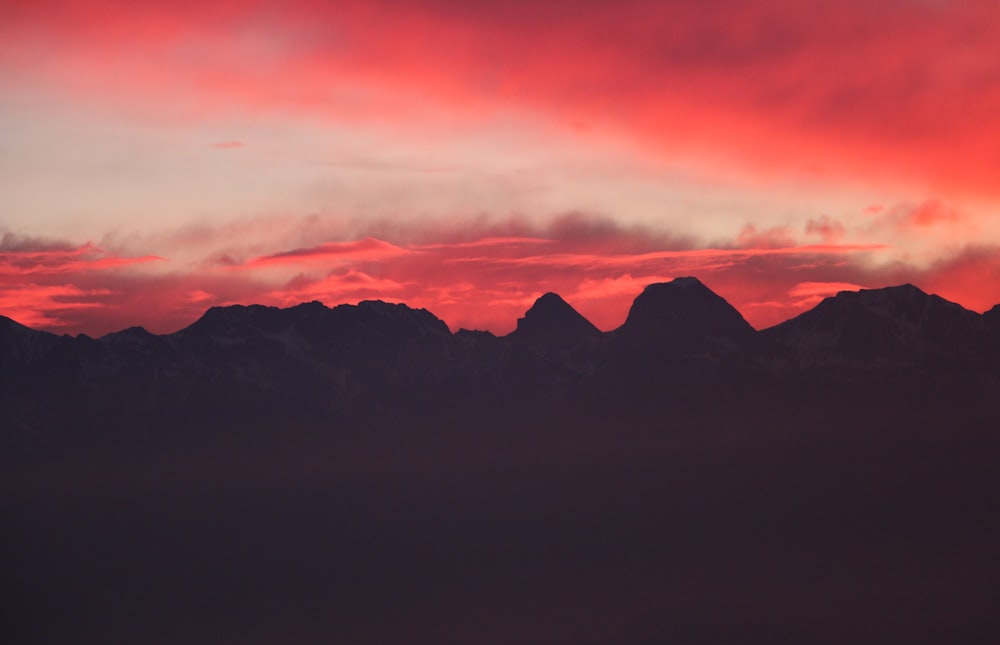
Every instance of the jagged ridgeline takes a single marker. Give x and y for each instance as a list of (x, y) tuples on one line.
[(375, 362), (361, 474)]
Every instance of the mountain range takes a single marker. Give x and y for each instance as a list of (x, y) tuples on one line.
[(362, 474), (390, 358)]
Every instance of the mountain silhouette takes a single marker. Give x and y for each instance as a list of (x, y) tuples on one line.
[(23, 346), (894, 325), (682, 319), (361, 474), (552, 320), (680, 311), (377, 358)]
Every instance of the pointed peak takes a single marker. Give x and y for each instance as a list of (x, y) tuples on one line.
[(129, 338), (549, 303), (129, 332), (136, 330), (551, 316)]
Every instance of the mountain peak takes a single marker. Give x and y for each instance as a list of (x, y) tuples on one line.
[(899, 292), (400, 316), (684, 282), (551, 317), (238, 320), (898, 301), (129, 335), (901, 323), (680, 311)]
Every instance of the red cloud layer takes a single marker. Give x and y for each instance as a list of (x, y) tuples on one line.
[(476, 280), (893, 88)]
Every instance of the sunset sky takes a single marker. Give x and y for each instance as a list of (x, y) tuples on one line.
[(158, 158)]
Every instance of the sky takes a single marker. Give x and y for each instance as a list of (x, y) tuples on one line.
[(160, 158)]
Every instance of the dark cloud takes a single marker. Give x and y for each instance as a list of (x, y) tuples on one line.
[(826, 228), (14, 243)]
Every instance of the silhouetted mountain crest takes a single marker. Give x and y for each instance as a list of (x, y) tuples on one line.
[(374, 352), (313, 319), (134, 333), (238, 320), (21, 345), (893, 324), (684, 316), (552, 319), (398, 316), (134, 340)]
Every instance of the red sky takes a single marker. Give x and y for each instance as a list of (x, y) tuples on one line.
[(160, 158)]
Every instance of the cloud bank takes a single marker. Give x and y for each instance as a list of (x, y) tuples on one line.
[(472, 278)]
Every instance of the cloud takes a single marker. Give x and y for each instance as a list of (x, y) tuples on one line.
[(347, 287), (471, 278), (892, 89), (486, 241), (366, 249), (924, 215), (46, 306), (897, 96), (970, 277), (26, 257), (12, 243), (826, 228), (228, 145), (772, 238), (930, 216), (809, 294)]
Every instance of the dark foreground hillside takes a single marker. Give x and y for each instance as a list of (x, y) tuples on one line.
[(301, 475)]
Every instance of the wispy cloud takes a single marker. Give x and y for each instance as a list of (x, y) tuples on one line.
[(366, 249), (34, 259)]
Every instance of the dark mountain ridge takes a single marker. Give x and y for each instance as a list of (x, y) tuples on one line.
[(681, 342), (682, 312), (360, 474), (900, 325), (552, 320)]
